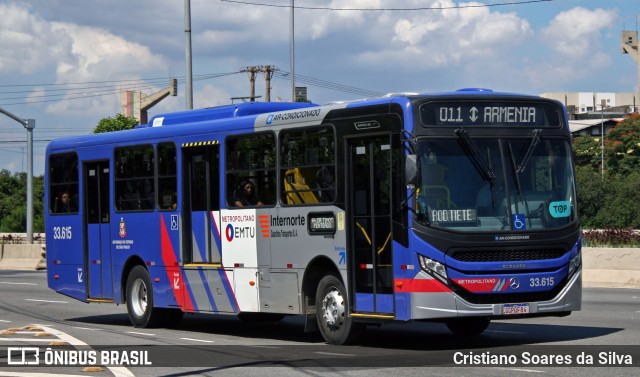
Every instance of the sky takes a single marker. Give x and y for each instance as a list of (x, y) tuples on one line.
[(64, 62)]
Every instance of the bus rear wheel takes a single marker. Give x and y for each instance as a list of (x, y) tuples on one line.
[(336, 326), (140, 300), (468, 326)]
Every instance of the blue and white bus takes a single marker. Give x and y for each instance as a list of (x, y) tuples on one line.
[(455, 207)]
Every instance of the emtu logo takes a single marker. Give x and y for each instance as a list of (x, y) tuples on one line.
[(229, 233), (264, 225)]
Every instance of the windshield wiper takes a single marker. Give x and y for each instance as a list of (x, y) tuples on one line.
[(483, 166), (532, 145), (516, 173), (478, 160)]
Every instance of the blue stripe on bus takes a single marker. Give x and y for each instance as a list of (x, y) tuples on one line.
[(207, 289), (229, 291)]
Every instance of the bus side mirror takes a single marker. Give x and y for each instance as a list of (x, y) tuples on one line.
[(410, 169)]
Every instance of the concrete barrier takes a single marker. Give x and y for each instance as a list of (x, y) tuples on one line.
[(611, 267), (22, 257)]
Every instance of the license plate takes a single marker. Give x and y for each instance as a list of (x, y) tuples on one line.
[(512, 309)]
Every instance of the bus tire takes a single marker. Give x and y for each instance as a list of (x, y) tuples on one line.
[(140, 300), (332, 306), (468, 326)]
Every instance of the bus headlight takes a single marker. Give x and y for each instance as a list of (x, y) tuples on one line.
[(433, 268), (574, 264)]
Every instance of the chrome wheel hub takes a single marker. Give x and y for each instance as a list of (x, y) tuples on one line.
[(333, 309), (139, 297)]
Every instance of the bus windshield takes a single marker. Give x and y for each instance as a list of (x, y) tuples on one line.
[(475, 184)]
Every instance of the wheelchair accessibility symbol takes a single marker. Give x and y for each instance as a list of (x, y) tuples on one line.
[(518, 221)]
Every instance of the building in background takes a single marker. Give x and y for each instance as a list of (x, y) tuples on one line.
[(589, 105)]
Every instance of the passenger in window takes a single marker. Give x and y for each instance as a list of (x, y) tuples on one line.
[(66, 205), (245, 195)]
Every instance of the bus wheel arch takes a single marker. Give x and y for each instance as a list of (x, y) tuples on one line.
[(336, 325), (140, 301), (315, 271), (126, 270), (326, 303)]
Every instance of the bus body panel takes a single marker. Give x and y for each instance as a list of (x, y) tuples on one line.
[(230, 260), (211, 289)]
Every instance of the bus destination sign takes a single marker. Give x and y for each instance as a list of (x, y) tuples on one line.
[(487, 114)]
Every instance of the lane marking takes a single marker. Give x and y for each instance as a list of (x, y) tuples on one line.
[(5, 321), (198, 340), (86, 328), (49, 301), (16, 283), (334, 353), (117, 371), (25, 340), (140, 333)]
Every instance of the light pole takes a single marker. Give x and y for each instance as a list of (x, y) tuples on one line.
[(293, 53), (602, 105), (187, 52), (29, 125)]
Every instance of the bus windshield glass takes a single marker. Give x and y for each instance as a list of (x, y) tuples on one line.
[(487, 184)]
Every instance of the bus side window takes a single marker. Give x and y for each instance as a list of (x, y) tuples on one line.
[(134, 178), (147, 194), (325, 181), (167, 176), (63, 183), (251, 157), (307, 163)]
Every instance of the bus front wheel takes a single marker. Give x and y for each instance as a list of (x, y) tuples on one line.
[(140, 299), (335, 324), (468, 326)]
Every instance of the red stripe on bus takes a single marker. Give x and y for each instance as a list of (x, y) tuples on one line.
[(420, 285), (169, 259)]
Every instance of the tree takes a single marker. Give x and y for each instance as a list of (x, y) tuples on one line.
[(621, 205), (592, 194), (588, 152), (612, 201), (13, 197), (622, 146), (117, 123)]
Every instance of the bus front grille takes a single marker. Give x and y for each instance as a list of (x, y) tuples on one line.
[(506, 255)]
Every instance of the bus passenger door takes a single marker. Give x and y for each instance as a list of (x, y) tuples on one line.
[(98, 236), (369, 204), (201, 191)]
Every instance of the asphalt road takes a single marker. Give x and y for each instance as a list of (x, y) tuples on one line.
[(599, 340)]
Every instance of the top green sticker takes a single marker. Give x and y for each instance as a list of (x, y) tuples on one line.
[(560, 209)]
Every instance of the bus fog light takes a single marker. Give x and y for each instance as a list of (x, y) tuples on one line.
[(574, 264), (433, 267)]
